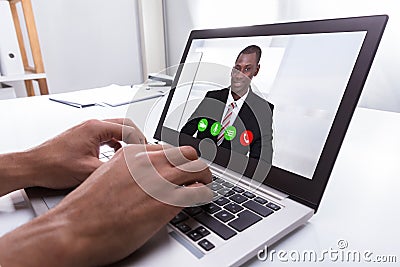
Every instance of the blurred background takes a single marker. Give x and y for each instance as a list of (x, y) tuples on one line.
[(93, 43)]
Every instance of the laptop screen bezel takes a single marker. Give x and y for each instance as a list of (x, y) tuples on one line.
[(302, 189)]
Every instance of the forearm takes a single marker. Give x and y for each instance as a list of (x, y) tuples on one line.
[(44, 241), (16, 172)]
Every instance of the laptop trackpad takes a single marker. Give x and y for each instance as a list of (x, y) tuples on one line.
[(160, 250), (43, 199), (52, 201)]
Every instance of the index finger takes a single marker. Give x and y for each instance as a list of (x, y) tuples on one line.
[(180, 155), (138, 136), (122, 121), (106, 131)]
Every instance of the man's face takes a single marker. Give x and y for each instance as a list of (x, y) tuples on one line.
[(245, 69)]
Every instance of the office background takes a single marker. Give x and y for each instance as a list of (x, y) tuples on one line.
[(382, 90), (92, 43)]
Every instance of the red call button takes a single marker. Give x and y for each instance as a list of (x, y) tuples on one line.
[(246, 138)]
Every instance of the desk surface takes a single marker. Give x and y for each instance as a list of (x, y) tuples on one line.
[(359, 204)]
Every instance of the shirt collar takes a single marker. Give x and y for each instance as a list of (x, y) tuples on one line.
[(240, 101)]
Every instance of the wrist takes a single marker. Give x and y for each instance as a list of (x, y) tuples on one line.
[(46, 240), (16, 172)]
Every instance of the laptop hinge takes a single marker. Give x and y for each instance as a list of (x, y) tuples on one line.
[(250, 183)]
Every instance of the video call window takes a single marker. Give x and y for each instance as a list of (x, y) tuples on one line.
[(293, 97)]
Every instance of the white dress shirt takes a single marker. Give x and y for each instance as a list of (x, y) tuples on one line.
[(238, 106)]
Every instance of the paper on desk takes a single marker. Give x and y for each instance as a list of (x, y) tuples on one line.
[(77, 99), (112, 95), (122, 95)]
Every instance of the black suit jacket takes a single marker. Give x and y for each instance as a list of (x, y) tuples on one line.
[(255, 115)]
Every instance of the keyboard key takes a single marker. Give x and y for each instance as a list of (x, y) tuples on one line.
[(238, 198), (215, 186), (248, 194), (221, 201), (257, 208), (103, 159), (273, 206), (211, 208), (224, 215), (194, 235), (206, 245), (180, 217), (245, 219), (215, 195), (193, 210), (233, 207), (183, 227), (218, 180), (203, 231), (214, 225), (227, 192), (238, 189), (227, 184), (260, 200), (230, 193), (108, 154)]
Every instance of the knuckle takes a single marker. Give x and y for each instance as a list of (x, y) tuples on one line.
[(190, 151), (128, 122), (149, 157), (91, 123), (128, 132), (142, 160)]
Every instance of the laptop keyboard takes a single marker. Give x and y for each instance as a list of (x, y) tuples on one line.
[(233, 210), (106, 153)]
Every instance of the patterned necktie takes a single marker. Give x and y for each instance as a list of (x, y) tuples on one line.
[(225, 122)]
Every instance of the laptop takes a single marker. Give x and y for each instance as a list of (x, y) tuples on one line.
[(272, 166)]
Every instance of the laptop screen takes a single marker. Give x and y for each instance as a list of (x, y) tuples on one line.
[(263, 104)]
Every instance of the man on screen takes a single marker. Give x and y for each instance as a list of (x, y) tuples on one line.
[(235, 117)]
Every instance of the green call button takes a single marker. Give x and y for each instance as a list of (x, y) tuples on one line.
[(202, 126), (215, 128), (230, 133)]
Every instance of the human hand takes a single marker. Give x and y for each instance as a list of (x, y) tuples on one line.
[(109, 216), (69, 158)]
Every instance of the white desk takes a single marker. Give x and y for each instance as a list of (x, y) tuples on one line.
[(28, 122), (359, 205)]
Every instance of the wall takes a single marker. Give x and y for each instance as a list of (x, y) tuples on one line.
[(90, 43), (382, 90), (182, 16)]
